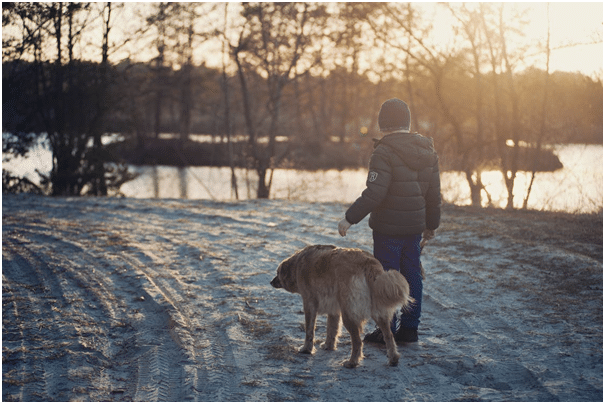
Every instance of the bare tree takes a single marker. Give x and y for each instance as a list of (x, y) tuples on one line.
[(497, 31), (68, 97), (227, 104), (98, 180), (159, 20), (443, 68), (67, 138), (470, 24), (190, 26), (542, 131), (272, 43)]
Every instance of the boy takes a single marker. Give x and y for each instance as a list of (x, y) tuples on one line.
[(403, 198)]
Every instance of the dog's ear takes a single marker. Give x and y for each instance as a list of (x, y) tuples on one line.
[(286, 275)]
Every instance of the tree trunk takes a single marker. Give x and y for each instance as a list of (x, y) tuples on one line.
[(262, 192), (99, 183), (227, 115), (543, 114)]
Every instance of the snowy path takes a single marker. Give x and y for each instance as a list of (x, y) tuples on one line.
[(151, 300)]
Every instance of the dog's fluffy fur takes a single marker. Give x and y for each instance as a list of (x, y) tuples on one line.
[(347, 283)]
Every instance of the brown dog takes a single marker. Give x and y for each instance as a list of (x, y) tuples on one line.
[(347, 283)]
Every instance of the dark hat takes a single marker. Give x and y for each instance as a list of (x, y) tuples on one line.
[(394, 114)]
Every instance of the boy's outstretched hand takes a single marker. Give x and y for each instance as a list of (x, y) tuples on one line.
[(343, 226)]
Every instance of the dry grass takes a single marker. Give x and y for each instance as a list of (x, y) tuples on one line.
[(578, 233), (256, 327), (281, 351)]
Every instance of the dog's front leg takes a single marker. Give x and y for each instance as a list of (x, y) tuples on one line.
[(310, 318)]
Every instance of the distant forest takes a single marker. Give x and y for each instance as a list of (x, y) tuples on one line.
[(291, 93)]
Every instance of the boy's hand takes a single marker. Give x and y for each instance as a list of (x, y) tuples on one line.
[(343, 226), (426, 236)]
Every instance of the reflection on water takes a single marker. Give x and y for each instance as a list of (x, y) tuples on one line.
[(578, 187), (215, 183)]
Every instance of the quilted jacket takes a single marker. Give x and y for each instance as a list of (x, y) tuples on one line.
[(403, 190)]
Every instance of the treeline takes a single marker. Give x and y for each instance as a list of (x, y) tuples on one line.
[(299, 83)]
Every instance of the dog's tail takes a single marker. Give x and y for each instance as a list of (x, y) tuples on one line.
[(390, 289)]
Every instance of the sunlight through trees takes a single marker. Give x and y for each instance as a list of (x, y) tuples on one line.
[(288, 85)]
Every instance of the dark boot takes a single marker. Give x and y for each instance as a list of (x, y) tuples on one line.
[(375, 336), (406, 335)]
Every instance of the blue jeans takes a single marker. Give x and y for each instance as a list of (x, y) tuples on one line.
[(403, 254)]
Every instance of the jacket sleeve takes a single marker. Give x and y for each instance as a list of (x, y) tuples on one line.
[(377, 186), (433, 200)]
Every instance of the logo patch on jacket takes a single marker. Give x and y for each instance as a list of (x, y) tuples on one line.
[(372, 176)]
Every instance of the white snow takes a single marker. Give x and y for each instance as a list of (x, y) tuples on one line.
[(110, 299)]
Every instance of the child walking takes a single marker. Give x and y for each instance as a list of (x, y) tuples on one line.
[(403, 199)]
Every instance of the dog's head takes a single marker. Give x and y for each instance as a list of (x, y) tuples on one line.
[(286, 276)]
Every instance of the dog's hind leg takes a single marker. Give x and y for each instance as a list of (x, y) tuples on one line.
[(310, 318), (387, 334), (332, 332), (354, 328)]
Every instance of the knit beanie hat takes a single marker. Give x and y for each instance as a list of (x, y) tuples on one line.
[(394, 114)]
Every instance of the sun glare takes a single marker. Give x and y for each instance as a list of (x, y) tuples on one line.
[(576, 35)]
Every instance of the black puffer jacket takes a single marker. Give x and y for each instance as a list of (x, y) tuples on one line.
[(403, 190)]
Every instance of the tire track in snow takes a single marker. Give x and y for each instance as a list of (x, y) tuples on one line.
[(158, 371), (82, 317), (162, 291), (216, 361), (160, 344), (37, 299), (201, 368), (23, 382), (84, 291)]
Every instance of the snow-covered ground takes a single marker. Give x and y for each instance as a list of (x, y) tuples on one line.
[(109, 299)]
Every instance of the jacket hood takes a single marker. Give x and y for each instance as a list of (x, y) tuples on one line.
[(416, 151)]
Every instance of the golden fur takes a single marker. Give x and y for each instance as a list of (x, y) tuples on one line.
[(344, 283)]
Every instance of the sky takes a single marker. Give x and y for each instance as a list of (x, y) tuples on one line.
[(571, 23)]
